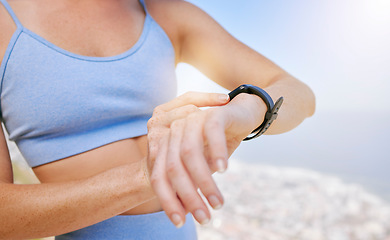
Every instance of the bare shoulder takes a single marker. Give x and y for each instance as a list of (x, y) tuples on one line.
[(176, 7), (179, 14), (7, 27), (179, 19)]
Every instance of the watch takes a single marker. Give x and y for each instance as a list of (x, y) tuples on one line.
[(272, 108)]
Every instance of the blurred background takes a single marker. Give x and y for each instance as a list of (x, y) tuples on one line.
[(341, 49), (328, 178)]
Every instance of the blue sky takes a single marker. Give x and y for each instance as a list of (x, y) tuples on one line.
[(341, 49)]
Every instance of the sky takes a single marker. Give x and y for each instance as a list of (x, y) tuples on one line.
[(341, 49)]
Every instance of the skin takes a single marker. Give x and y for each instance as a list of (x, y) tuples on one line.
[(184, 145)]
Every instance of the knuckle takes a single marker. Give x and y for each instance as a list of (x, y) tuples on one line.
[(153, 139), (183, 97), (157, 110), (154, 179), (186, 97), (215, 113), (151, 122), (186, 150), (195, 116), (172, 167), (205, 184), (213, 124), (190, 93), (150, 136), (167, 208), (153, 150), (191, 200), (177, 124), (192, 108)]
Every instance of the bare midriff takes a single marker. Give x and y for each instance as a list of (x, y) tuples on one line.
[(98, 160), (124, 21)]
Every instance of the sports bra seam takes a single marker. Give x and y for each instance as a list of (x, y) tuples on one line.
[(64, 52), (129, 52), (7, 55)]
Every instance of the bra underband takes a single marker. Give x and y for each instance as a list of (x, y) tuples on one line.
[(55, 104)]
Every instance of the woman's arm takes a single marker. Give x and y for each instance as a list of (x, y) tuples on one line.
[(207, 46), (201, 42), (42, 210), (206, 139)]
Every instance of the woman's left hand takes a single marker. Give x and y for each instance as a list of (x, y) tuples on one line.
[(192, 148)]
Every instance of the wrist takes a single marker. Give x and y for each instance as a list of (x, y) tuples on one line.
[(253, 107), (271, 112), (143, 179), (135, 183)]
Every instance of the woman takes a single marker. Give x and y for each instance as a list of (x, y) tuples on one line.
[(80, 81)]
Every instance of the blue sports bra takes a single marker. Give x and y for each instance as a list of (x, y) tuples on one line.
[(55, 104)]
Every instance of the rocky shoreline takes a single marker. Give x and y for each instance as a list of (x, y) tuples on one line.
[(274, 203)]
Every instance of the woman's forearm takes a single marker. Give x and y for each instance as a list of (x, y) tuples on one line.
[(298, 104), (42, 210)]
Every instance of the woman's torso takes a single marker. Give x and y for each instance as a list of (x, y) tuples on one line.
[(72, 25)]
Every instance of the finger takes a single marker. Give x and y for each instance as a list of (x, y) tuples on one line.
[(214, 132), (192, 154), (198, 99), (155, 137), (179, 113), (180, 179), (163, 189), (157, 125)]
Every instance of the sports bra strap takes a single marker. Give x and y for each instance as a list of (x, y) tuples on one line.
[(11, 13), (143, 5)]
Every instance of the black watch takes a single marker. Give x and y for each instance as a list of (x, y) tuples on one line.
[(272, 109)]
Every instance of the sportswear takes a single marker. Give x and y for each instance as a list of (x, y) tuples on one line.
[(135, 227), (55, 104)]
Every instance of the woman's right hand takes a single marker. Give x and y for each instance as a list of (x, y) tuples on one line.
[(178, 108), (187, 145), (159, 128)]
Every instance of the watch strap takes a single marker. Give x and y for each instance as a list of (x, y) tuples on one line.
[(272, 109), (268, 119)]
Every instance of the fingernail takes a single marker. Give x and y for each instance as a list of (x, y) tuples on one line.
[(176, 219), (214, 202), (221, 165), (201, 216), (223, 97)]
